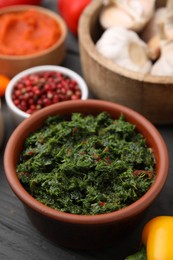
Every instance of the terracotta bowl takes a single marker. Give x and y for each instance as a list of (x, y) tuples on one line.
[(149, 95), (10, 65), (81, 231)]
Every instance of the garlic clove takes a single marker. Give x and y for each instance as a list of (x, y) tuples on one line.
[(159, 30), (154, 48), (131, 14), (154, 34), (125, 48), (137, 54), (111, 16), (164, 65)]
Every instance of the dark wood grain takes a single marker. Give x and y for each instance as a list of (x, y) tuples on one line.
[(19, 240)]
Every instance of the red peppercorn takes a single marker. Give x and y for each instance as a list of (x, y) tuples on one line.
[(42, 89)]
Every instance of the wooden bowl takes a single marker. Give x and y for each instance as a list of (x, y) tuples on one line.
[(150, 95), (85, 231), (10, 65)]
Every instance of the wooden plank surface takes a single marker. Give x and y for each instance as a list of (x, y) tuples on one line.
[(19, 240)]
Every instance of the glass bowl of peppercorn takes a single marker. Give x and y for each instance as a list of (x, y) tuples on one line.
[(41, 86)]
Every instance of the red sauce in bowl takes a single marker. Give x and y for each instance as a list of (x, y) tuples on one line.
[(27, 32)]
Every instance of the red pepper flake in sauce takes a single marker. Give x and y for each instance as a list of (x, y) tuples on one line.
[(30, 153), (143, 172), (96, 157), (108, 160), (101, 203)]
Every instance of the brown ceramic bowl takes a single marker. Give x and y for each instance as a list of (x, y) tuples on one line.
[(81, 231), (152, 96), (10, 65)]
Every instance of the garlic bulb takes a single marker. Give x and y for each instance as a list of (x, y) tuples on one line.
[(131, 14), (125, 48), (164, 65), (159, 30)]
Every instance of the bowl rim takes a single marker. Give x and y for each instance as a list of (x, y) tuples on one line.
[(86, 41), (66, 71), (143, 125), (50, 13)]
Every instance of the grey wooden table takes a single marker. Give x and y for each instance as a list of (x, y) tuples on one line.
[(19, 240)]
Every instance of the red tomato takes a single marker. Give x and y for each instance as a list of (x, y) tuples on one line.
[(4, 3), (71, 11)]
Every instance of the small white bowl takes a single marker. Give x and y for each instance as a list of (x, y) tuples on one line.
[(19, 115)]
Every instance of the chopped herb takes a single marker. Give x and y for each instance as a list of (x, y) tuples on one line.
[(86, 164)]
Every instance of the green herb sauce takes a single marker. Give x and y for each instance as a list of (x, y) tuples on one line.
[(86, 164)]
